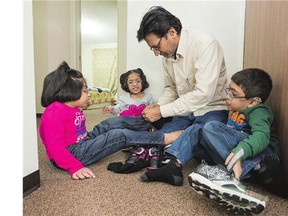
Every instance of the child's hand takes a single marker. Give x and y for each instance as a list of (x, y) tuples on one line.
[(237, 168), (83, 173), (107, 109), (89, 102)]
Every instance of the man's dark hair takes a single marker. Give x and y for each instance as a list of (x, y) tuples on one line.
[(158, 21), (254, 82), (124, 79)]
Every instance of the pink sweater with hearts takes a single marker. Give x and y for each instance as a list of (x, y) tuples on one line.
[(127, 106)]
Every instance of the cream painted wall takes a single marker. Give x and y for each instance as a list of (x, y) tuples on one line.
[(56, 38), (30, 149), (122, 38), (102, 31), (223, 19)]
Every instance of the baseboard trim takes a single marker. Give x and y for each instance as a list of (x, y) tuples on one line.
[(31, 183)]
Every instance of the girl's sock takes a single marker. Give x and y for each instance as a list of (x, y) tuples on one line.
[(170, 173)]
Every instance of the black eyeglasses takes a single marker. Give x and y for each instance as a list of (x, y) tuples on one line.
[(156, 48)]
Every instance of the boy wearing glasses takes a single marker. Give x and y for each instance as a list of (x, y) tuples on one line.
[(246, 145)]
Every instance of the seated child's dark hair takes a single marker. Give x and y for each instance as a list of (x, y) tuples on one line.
[(62, 85), (254, 82), (124, 78)]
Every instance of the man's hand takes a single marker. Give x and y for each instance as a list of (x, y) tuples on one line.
[(83, 173), (152, 113), (237, 168)]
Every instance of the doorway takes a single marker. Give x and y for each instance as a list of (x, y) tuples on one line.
[(99, 34)]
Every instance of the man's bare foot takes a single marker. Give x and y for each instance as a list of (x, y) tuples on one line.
[(171, 137)]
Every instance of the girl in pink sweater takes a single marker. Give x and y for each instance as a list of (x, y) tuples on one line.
[(63, 129)]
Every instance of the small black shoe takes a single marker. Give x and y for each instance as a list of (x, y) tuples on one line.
[(136, 153), (154, 156)]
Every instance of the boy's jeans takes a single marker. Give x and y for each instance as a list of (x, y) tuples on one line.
[(187, 146), (114, 134), (218, 139)]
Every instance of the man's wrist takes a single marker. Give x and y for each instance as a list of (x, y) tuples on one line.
[(166, 110)]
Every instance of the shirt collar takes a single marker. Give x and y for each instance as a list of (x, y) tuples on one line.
[(181, 50), (182, 46)]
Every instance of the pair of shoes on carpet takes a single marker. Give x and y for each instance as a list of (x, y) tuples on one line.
[(139, 158), (164, 158), (152, 154), (161, 167), (217, 183)]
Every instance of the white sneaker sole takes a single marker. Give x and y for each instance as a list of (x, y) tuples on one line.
[(234, 201)]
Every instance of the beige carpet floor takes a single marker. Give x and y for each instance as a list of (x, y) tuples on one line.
[(122, 194)]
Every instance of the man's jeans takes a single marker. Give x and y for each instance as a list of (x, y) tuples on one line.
[(187, 146), (177, 123), (114, 134), (218, 139)]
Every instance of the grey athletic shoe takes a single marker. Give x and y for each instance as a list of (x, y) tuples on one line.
[(216, 183)]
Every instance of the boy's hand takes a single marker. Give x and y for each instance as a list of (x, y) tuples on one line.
[(237, 168), (83, 173)]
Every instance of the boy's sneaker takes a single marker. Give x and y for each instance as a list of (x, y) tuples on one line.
[(136, 153), (216, 183), (154, 157)]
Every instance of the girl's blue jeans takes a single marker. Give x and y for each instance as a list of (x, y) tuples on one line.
[(114, 134), (187, 146), (218, 140)]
